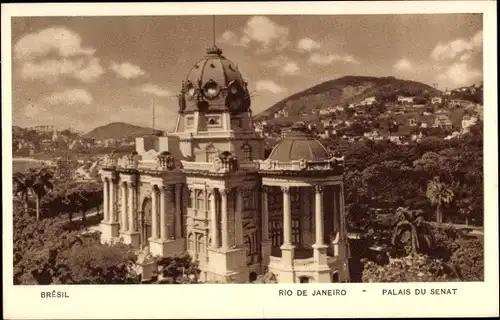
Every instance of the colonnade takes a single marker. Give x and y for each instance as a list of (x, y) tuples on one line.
[(222, 227), (165, 226), (318, 217)]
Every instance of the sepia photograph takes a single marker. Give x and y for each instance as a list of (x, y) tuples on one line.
[(247, 149)]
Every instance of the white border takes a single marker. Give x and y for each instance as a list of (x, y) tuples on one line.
[(225, 301)]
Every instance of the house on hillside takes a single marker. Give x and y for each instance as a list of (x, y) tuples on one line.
[(324, 112), (436, 100), (467, 122), (442, 121), (109, 143), (368, 101), (403, 100)]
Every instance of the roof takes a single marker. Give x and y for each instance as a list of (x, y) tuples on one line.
[(214, 82), (298, 144)]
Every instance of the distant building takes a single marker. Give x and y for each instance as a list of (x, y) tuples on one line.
[(368, 101), (467, 122), (436, 100), (43, 129), (442, 121), (402, 99)]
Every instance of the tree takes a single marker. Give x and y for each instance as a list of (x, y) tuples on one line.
[(439, 195), (37, 182), (412, 234)]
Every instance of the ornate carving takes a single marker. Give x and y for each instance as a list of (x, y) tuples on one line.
[(319, 189), (224, 192), (225, 162), (285, 189), (165, 161), (302, 164)]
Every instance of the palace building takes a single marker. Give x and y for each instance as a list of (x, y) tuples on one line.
[(207, 189)]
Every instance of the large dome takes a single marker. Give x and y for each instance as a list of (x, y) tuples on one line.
[(298, 144), (214, 83)]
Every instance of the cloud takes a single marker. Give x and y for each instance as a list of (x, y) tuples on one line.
[(269, 85), (284, 64), (155, 90), (59, 40), (261, 31), (403, 64), (126, 70), (307, 44), (70, 97), (452, 49), (291, 68), (84, 69), (325, 59), (56, 52), (232, 39), (460, 74)]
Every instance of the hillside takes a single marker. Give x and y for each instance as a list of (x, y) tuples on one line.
[(343, 91), (118, 130)]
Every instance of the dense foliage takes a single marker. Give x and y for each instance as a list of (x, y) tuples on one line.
[(73, 198), (412, 268), (178, 269), (436, 176), (51, 251)]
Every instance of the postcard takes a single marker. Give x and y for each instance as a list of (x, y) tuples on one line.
[(316, 156)]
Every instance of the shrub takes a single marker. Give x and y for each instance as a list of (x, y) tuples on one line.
[(468, 259), (413, 268)]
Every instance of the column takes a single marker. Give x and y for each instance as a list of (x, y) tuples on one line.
[(163, 214), (178, 211), (154, 213), (224, 219), (287, 217), (265, 215), (335, 201), (213, 220), (123, 209), (341, 213), (336, 220), (112, 199), (319, 215), (238, 220), (105, 203), (131, 208)]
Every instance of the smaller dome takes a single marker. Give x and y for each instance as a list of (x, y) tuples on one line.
[(298, 144)]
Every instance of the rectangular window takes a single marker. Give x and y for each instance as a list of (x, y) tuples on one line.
[(189, 121), (214, 121)]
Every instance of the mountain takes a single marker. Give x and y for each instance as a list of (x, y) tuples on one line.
[(117, 131), (344, 91)]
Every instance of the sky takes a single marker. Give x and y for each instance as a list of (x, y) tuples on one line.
[(84, 72)]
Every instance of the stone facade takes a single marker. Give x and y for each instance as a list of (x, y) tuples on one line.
[(206, 189)]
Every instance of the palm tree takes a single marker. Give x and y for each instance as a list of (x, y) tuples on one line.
[(438, 194), (412, 224), (37, 182), (22, 183)]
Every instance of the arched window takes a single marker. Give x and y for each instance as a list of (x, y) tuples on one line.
[(200, 200), (296, 232), (191, 243), (247, 152), (335, 277), (211, 152), (248, 248), (190, 198)]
